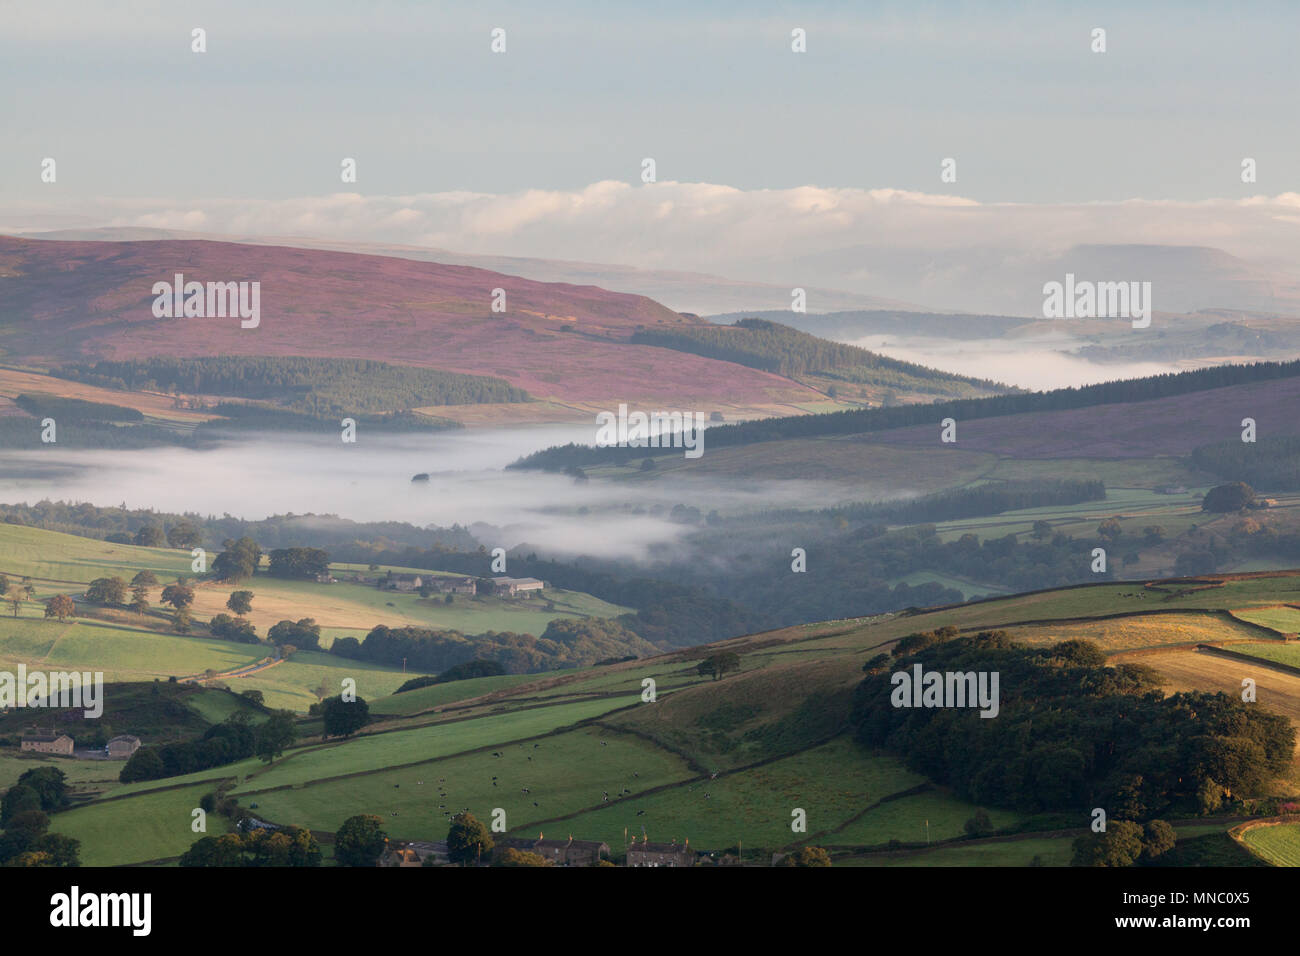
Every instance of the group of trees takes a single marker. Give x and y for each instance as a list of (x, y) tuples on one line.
[(1124, 843), (778, 348), (236, 738), (318, 386), (465, 671), (298, 562), (238, 560), (256, 846), (1072, 733), (24, 816), (861, 421), (1270, 463)]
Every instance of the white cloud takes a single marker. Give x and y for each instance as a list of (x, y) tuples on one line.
[(941, 250)]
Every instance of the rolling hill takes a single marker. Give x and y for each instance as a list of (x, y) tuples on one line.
[(724, 762)]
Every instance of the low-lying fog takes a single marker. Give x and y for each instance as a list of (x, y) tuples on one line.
[(1040, 363), (370, 480)]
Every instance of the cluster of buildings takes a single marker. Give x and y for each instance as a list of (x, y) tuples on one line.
[(508, 587), (119, 748), (568, 852)]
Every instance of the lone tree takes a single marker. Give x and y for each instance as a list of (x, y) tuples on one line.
[(359, 841), (1110, 530), (241, 602), (178, 595), (61, 607), (719, 664), (15, 598), (140, 599), (1233, 496), (144, 578), (276, 733), (107, 591), (344, 718), (468, 839)]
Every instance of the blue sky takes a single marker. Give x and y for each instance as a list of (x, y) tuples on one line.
[(586, 90)]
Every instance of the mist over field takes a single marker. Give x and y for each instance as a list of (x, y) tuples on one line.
[(1039, 363), (266, 474)]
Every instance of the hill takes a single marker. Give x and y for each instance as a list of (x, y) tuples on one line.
[(724, 762)]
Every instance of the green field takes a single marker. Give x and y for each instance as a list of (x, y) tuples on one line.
[(565, 774), (1285, 620), (151, 826), (1279, 845)]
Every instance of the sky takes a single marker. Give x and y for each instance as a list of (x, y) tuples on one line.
[(538, 150)]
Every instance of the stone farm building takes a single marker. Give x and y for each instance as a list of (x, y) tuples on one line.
[(403, 582), (48, 744), (122, 746), (660, 854), (454, 585), (513, 587), (414, 853), (568, 852)]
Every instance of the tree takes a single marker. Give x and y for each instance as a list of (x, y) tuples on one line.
[(1230, 497), (150, 536), (468, 839), (276, 733), (144, 578), (238, 561), (19, 798), (255, 696), (15, 599), (344, 718), (719, 664), (144, 764), (107, 591), (513, 857), (359, 841), (1110, 530), (303, 634), (184, 535), (1153, 534), (224, 850), (1120, 845), (59, 850), (298, 562), (181, 621), (979, 825), (140, 599), (241, 602), (60, 606), (178, 595), (806, 856), (50, 784), (232, 629), (1041, 531), (1158, 838)]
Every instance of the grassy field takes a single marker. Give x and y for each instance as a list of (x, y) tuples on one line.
[(151, 826), (564, 774), (1132, 633), (715, 762), (1284, 620), (58, 562), (1279, 845)]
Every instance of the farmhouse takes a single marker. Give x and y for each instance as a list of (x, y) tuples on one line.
[(402, 582), (454, 585), (414, 853), (660, 854), (122, 746), (513, 587), (48, 744), (325, 577)]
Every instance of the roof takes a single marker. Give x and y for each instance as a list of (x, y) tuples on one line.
[(45, 738), (659, 848), (518, 581), (126, 737)]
